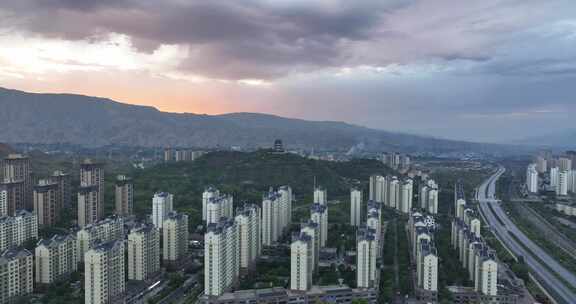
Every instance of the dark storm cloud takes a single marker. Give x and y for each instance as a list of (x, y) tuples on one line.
[(227, 39)]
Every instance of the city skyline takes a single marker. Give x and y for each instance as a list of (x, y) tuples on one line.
[(486, 65)]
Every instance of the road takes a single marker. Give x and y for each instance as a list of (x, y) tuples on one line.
[(502, 226)]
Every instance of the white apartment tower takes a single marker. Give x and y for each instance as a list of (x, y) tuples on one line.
[(319, 215), (162, 205), (16, 275), (393, 200), (109, 229), (432, 206), (124, 196), (532, 178), (355, 207), (174, 237), (249, 235), (565, 164), (406, 193), (373, 222), (554, 177), (208, 194), (143, 252), (55, 259), (486, 273), (562, 187), (427, 267), (366, 253), (301, 265), (221, 259), (270, 218), (219, 207), (17, 229), (320, 196), (313, 231), (285, 193), (104, 277)]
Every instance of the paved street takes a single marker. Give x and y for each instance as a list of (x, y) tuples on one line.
[(503, 227)]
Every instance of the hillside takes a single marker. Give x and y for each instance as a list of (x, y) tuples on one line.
[(95, 122), (247, 176)]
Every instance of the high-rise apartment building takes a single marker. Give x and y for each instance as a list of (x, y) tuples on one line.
[(554, 177), (219, 207), (366, 253), (162, 205), (109, 229), (562, 187), (47, 203), (104, 273), (486, 271), (16, 168), (3, 200), (249, 234), (427, 266), (301, 265), (91, 204), (285, 193), (270, 218), (541, 164), (373, 222), (174, 237), (319, 215), (393, 199), (14, 196), (565, 163), (208, 194), (16, 230), (55, 259), (221, 259), (16, 275), (63, 180), (143, 252), (313, 231), (88, 205), (124, 196), (532, 178), (320, 196), (355, 207), (406, 194), (432, 206)]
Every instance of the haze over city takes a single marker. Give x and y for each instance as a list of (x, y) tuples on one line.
[(450, 69)]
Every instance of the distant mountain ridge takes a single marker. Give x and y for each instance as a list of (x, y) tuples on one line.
[(564, 139), (91, 121)]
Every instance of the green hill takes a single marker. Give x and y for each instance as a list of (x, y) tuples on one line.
[(248, 175)]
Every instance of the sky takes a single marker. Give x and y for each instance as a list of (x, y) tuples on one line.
[(480, 70)]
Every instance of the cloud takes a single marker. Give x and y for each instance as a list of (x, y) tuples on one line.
[(265, 39)]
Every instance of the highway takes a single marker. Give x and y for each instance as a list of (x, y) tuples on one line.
[(503, 227)]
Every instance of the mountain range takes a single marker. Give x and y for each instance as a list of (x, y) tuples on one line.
[(95, 122)]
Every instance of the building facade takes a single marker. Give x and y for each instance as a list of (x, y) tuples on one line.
[(174, 237), (16, 230), (16, 275), (162, 205), (124, 196), (104, 277), (355, 207), (221, 259), (143, 252), (301, 265), (55, 258), (47, 203)]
